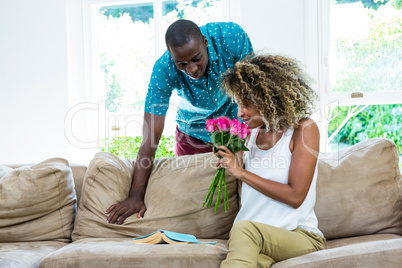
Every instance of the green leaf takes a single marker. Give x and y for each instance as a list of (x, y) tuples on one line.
[(238, 145), (216, 138)]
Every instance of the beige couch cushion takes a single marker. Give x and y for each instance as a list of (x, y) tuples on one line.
[(359, 190), (4, 170), (341, 242), (78, 175), (26, 254), (383, 253), (122, 252), (175, 193), (37, 202)]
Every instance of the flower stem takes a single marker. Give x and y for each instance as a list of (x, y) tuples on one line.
[(230, 139), (215, 183), (221, 179), (211, 187), (226, 197)]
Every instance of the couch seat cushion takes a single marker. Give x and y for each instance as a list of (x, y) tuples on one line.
[(336, 243), (383, 253), (26, 254), (176, 190), (122, 252), (37, 202)]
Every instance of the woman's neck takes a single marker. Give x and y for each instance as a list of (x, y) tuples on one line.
[(267, 139)]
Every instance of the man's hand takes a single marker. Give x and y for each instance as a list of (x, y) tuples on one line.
[(120, 211)]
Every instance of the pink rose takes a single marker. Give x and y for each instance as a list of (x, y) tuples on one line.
[(245, 131), (239, 129), (211, 125), (223, 123), (235, 128)]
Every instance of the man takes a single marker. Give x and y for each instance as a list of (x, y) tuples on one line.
[(192, 65)]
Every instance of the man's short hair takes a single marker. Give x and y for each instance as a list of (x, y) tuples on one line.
[(182, 32)]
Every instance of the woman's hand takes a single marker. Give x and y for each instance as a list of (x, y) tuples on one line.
[(228, 161)]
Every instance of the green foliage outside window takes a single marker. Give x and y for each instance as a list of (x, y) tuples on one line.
[(375, 121), (127, 147), (144, 12), (374, 4), (373, 61), (114, 94)]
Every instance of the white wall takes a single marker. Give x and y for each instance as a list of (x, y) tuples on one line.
[(36, 73), (33, 75), (275, 26), (288, 28)]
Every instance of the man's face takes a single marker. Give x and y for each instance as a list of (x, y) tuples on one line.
[(191, 58)]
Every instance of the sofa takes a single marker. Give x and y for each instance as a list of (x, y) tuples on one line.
[(52, 214)]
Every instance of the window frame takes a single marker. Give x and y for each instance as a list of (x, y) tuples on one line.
[(317, 56)]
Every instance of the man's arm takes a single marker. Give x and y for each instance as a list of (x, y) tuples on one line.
[(152, 132)]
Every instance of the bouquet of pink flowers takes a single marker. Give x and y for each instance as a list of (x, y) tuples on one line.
[(232, 134)]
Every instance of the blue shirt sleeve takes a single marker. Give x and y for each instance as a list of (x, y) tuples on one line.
[(159, 91)]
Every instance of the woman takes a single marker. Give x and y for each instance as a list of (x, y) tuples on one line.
[(276, 220)]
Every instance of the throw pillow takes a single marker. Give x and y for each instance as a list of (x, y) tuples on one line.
[(4, 170), (176, 190), (37, 202), (358, 190)]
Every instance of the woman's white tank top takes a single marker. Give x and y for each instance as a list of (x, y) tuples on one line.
[(273, 164)]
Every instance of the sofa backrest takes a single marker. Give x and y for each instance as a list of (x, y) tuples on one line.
[(38, 202), (359, 190), (175, 193), (78, 175)]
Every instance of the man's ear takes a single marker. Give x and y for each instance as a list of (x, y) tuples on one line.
[(205, 41)]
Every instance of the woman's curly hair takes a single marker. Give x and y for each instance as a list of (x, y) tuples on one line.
[(277, 87)]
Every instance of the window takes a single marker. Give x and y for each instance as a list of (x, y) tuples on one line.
[(366, 47), (130, 37), (360, 70), (113, 45), (124, 38)]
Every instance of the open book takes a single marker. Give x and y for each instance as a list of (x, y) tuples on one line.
[(167, 237)]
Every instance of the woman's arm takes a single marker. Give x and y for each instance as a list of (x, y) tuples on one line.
[(304, 147)]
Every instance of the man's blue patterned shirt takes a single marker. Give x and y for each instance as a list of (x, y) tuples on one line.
[(203, 98)]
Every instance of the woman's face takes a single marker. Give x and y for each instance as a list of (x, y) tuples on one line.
[(249, 113)]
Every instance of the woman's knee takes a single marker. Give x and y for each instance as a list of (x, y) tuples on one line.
[(241, 226), (244, 229)]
